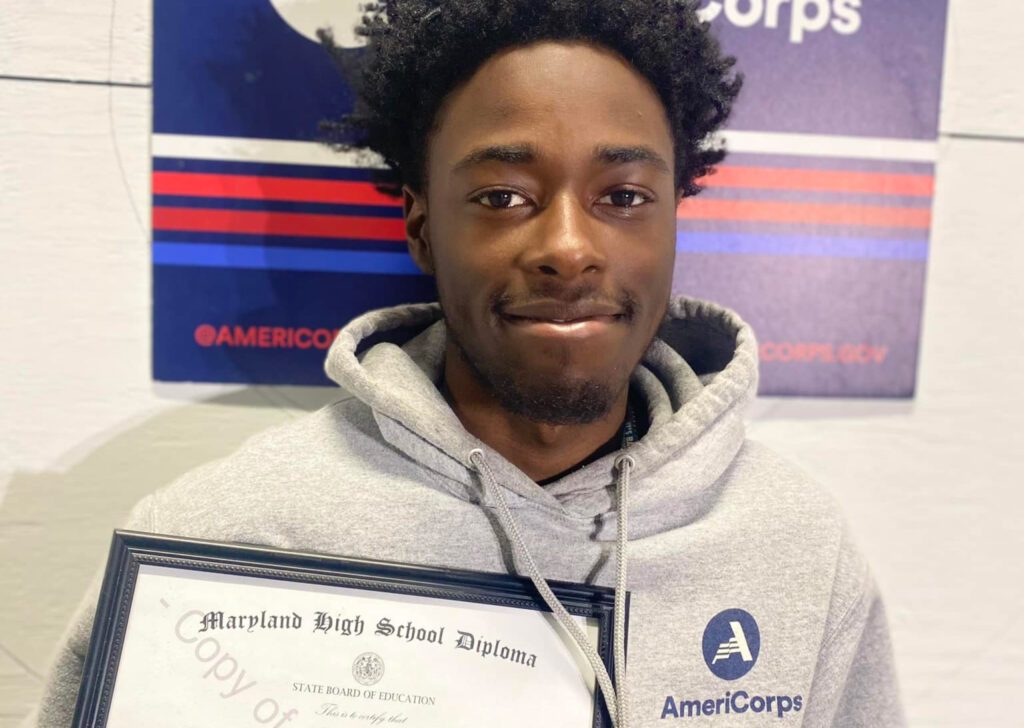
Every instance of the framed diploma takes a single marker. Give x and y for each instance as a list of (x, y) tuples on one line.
[(196, 633)]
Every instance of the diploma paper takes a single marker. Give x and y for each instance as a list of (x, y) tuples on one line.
[(204, 649)]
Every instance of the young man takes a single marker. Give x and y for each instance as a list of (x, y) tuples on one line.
[(559, 414)]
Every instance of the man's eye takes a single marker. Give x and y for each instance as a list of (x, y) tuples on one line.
[(501, 199), (625, 198)]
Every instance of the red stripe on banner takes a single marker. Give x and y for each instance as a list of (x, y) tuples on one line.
[(252, 187), (819, 180), (898, 217), (277, 223)]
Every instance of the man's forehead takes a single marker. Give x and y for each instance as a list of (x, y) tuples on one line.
[(540, 77), (502, 109), (554, 91)]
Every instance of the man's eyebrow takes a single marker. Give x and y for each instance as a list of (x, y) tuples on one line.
[(626, 155), (507, 153)]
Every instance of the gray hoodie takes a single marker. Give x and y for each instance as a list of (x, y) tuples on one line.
[(749, 603)]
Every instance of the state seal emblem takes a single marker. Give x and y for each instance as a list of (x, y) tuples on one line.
[(368, 668)]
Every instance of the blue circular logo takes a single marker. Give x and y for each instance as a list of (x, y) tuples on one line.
[(732, 642)]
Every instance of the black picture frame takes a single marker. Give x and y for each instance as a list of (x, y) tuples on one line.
[(131, 549)]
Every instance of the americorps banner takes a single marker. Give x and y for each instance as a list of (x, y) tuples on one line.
[(815, 230)]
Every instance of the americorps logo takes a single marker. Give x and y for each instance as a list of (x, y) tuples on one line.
[(803, 17), (732, 643)]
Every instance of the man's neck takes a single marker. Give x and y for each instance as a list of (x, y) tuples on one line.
[(540, 450)]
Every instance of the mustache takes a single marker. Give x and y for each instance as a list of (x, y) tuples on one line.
[(572, 298)]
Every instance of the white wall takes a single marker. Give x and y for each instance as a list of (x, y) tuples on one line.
[(931, 486)]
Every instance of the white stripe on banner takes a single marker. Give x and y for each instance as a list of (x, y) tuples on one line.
[(827, 145), (268, 151), (278, 151)]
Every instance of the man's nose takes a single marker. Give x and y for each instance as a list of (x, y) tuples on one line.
[(563, 244)]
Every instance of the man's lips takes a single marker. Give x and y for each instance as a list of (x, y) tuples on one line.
[(581, 319)]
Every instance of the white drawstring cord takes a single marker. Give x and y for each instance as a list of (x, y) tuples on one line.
[(624, 464), (612, 699)]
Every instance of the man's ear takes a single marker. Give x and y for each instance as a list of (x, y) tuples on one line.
[(417, 234)]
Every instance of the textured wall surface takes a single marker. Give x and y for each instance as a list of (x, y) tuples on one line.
[(931, 486)]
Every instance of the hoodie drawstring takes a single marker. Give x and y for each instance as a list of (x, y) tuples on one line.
[(623, 464), (614, 696)]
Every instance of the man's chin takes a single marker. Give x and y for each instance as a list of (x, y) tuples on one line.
[(558, 387), (564, 402)]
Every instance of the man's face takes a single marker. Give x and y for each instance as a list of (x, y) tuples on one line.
[(549, 224)]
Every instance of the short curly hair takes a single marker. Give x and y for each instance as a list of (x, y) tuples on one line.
[(419, 51)]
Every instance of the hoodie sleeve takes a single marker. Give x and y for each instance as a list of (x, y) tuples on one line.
[(855, 680), (57, 706)]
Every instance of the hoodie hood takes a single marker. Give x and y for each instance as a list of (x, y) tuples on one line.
[(696, 379)]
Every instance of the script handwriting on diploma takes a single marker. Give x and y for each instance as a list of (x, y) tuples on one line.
[(332, 710)]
